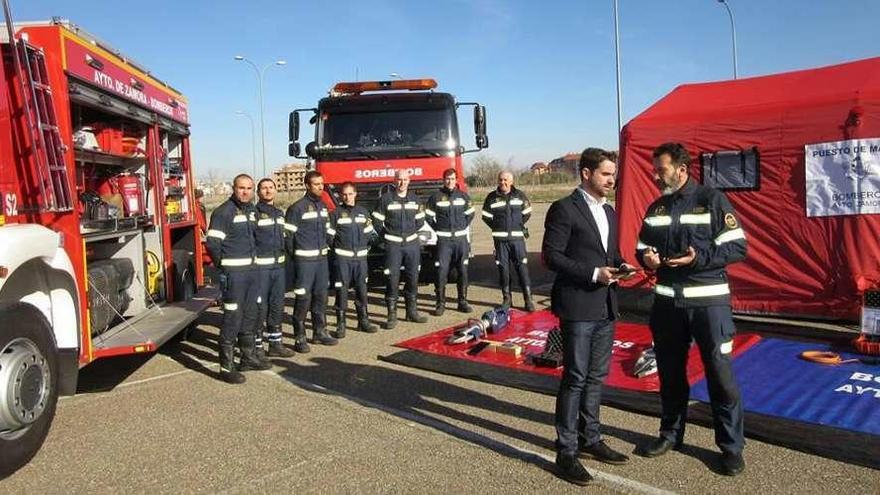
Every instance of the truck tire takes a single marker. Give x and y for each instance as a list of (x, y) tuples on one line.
[(184, 275), (28, 385)]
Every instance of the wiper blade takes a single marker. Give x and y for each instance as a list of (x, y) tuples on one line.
[(423, 151)]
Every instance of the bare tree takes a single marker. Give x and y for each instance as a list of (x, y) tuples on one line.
[(483, 171)]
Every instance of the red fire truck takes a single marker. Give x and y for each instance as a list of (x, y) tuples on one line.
[(100, 253), (366, 131)]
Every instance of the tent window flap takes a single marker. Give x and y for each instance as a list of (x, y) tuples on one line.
[(732, 169)]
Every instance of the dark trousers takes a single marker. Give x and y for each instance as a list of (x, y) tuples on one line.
[(512, 251), (272, 288), (409, 256), (713, 330), (586, 353), (351, 272), (452, 252), (241, 290), (310, 286)]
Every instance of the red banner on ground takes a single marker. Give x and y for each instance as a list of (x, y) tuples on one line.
[(529, 331)]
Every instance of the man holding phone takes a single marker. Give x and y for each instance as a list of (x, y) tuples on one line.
[(580, 245), (689, 236)]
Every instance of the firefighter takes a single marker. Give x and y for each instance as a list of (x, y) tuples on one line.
[(230, 240), (353, 233), (399, 217), (506, 211), (270, 260), (689, 236), (307, 222), (449, 212)]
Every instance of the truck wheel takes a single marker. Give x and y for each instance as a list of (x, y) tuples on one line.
[(28, 385), (184, 275)]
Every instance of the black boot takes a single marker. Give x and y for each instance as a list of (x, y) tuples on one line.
[(391, 322), (527, 298), (276, 348), (506, 300), (463, 306), (249, 361), (323, 338), (228, 371), (364, 324), (340, 324), (260, 353), (440, 303), (300, 344), (412, 311)]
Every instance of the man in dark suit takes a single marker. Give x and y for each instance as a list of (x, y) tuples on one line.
[(580, 245)]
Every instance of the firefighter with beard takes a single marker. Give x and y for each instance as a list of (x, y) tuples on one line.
[(688, 237), (308, 229), (270, 260)]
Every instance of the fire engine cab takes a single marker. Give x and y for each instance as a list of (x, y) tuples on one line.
[(366, 131), (100, 252)]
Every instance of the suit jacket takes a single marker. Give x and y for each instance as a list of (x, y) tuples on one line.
[(573, 248)]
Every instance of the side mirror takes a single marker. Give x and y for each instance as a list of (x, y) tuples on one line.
[(293, 148), (482, 140), (311, 150)]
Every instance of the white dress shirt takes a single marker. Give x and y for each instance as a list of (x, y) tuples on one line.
[(597, 209)]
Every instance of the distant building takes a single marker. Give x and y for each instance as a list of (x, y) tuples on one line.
[(289, 178), (567, 163), (539, 168)]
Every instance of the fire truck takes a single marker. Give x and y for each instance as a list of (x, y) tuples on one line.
[(366, 131), (100, 251)]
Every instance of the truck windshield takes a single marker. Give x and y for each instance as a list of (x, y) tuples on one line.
[(404, 133)]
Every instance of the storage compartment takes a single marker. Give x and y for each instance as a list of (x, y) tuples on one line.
[(116, 266)]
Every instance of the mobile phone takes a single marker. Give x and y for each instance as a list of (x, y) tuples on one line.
[(673, 256), (626, 269)]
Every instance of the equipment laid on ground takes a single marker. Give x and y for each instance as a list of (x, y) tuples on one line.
[(491, 322), (646, 364), (551, 356)]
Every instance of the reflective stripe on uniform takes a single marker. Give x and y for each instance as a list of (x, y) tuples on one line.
[(265, 221), (299, 292), (230, 306), (459, 202), (310, 252), (236, 261), (309, 215), (730, 235), (379, 216), (527, 210), (219, 234), (395, 238), (498, 204), (330, 230), (350, 254), (344, 221), (662, 290), (368, 229), (360, 219), (694, 291), (420, 215), (239, 218), (641, 245), (487, 214), (696, 219), (430, 212), (516, 202), (457, 233), (469, 211), (411, 205), (265, 261), (659, 221), (291, 227), (443, 204), (394, 206)]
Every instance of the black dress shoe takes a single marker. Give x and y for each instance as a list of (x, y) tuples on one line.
[(569, 468), (658, 447), (602, 452), (732, 464)]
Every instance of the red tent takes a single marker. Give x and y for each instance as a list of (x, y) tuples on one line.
[(797, 265)]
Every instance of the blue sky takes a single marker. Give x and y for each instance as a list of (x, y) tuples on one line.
[(544, 70)]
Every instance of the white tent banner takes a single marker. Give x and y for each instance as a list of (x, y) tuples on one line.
[(843, 177)]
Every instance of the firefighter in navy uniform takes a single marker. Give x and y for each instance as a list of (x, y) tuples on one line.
[(270, 261), (353, 233), (506, 211), (449, 212), (230, 241), (308, 228), (399, 217), (689, 235)]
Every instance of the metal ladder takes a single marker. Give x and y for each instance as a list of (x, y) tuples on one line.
[(46, 145)]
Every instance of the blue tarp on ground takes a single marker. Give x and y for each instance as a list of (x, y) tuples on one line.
[(775, 381)]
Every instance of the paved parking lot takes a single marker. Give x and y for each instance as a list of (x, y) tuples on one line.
[(339, 420)]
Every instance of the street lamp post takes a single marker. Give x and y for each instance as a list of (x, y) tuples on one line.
[(260, 75), (732, 32), (242, 113), (617, 67)]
